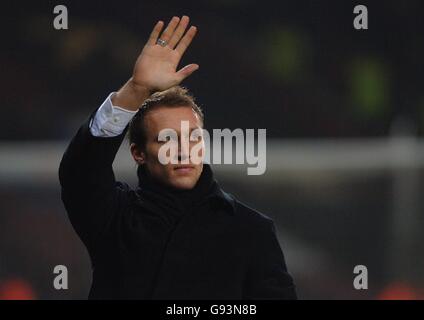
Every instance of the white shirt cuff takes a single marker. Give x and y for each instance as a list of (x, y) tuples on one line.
[(110, 120)]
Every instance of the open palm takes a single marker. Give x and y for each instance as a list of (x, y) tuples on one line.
[(156, 66)]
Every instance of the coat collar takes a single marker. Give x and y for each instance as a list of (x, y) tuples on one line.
[(207, 187), (224, 198)]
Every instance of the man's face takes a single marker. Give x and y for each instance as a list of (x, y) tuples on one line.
[(179, 175)]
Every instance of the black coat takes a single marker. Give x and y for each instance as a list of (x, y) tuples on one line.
[(142, 247)]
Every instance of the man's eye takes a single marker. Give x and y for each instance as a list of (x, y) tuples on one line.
[(167, 139), (196, 136)]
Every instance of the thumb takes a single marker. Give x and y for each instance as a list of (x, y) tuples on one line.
[(187, 70)]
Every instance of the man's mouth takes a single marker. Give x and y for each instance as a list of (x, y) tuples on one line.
[(183, 168)]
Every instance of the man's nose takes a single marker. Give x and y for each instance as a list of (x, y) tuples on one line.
[(184, 149)]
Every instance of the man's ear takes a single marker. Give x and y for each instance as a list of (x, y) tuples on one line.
[(137, 154)]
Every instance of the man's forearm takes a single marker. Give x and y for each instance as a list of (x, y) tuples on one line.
[(131, 96), (118, 109), (89, 158)]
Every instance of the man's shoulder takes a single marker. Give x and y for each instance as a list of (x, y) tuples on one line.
[(251, 216), (256, 225)]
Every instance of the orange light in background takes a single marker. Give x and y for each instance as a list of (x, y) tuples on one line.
[(16, 289), (399, 291)]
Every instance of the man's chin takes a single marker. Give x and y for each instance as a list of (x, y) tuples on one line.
[(183, 183)]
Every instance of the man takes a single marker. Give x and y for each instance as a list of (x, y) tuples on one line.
[(178, 235)]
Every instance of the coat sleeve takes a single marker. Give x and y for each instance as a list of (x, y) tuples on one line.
[(268, 277), (89, 191)]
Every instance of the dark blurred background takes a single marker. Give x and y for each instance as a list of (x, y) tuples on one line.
[(343, 109)]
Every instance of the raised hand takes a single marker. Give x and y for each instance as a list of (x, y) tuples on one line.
[(156, 66)]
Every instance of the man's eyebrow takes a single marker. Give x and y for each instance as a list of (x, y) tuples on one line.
[(166, 132), (171, 131)]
